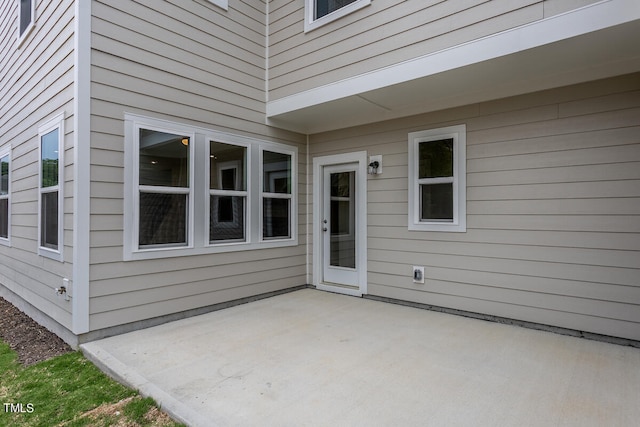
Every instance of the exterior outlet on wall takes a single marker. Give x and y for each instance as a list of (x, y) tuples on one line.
[(418, 274)]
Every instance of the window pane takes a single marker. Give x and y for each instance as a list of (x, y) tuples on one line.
[(227, 218), (164, 159), (25, 14), (163, 219), (341, 184), (227, 167), (277, 172), (275, 222), (49, 220), (436, 202), (4, 218), (49, 158), (435, 158), (325, 7), (4, 175)]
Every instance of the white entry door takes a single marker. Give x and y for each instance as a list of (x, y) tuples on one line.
[(340, 216), (339, 225)]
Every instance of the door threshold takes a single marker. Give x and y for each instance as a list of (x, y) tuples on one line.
[(339, 289)]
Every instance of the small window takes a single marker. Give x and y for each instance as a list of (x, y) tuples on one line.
[(227, 192), (164, 167), (26, 17), (276, 195), (5, 210), (51, 136), (320, 12), (437, 180)]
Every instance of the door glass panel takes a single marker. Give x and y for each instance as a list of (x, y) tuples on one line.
[(342, 220)]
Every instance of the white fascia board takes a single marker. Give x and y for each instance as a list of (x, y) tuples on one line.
[(81, 168), (574, 23)]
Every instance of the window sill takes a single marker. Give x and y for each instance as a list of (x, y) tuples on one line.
[(310, 24), (172, 252), (25, 35), (224, 4), (437, 226), (50, 253)]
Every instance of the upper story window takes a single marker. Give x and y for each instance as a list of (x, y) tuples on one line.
[(51, 136), (5, 210), (437, 179), (190, 190), (26, 17), (321, 12)]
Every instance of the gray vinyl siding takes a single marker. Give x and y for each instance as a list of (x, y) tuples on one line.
[(553, 209), (36, 84), (194, 64), (384, 33)]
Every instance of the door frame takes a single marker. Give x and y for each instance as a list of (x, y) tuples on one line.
[(319, 163)]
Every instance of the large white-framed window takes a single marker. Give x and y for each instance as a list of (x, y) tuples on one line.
[(224, 198), (51, 184), (321, 12), (164, 191), (276, 195), (5, 198), (229, 206), (26, 18), (437, 179)]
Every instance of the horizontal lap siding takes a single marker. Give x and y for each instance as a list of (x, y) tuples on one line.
[(194, 64), (384, 33), (36, 83), (553, 209)]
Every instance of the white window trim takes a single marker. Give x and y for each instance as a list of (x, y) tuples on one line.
[(222, 3), (459, 224), (199, 243), (56, 122), (310, 23), (7, 240), (209, 192), (22, 37), (189, 192), (290, 196)]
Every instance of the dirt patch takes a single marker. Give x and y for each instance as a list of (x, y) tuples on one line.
[(32, 342), (114, 413)]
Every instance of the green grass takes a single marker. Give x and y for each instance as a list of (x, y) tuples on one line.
[(59, 391)]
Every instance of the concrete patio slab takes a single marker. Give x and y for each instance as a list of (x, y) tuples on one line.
[(311, 358)]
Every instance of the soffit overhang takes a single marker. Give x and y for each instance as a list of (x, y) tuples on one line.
[(597, 41)]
